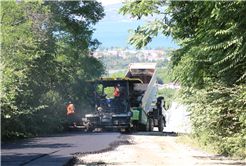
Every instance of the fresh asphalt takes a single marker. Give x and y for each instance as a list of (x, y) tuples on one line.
[(54, 149), (58, 149)]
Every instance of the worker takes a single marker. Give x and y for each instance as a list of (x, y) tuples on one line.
[(135, 118), (117, 91), (70, 113), (117, 95)]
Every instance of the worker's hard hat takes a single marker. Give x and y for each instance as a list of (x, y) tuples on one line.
[(118, 85), (69, 102), (134, 108)]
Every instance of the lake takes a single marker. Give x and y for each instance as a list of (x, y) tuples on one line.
[(115, 34)]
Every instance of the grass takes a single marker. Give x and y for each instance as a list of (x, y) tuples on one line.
[(188, 139), (198, 143)]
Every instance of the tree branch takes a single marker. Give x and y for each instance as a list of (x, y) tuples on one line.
[(2, 17), (18, 22)]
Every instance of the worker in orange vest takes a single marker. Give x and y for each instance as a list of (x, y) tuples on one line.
[(117, 95), (70, 113), (117, 91)]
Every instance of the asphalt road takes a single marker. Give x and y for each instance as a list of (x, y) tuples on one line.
[(54, 149)]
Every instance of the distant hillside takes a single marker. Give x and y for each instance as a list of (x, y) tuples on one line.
[(112, 14)]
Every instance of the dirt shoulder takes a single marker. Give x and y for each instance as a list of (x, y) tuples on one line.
[(154, 149)]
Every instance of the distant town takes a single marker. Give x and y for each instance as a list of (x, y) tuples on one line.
[(172, 85), (147, 54)]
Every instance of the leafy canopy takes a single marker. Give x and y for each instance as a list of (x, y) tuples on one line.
[(45, 48), (211, 36)]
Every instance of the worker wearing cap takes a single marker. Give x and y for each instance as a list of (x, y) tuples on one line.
[(70, 113), (135, 118)]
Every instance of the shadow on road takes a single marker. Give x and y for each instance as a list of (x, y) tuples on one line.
[(218, 160), (153, 133), (20, 159)]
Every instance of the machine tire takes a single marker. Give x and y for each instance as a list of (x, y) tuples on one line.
[(127, 129), (143, 127), (146, 126), (104, 129), (160, 125), (90, 129), (151, 124)]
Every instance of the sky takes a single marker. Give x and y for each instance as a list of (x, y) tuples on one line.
[(109, 2)]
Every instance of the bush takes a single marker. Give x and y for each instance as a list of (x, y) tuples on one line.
[(218, 118)]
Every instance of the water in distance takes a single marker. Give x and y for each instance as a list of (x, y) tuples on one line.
[(115, 34)]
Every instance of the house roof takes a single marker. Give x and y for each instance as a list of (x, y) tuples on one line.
[(174, 83)]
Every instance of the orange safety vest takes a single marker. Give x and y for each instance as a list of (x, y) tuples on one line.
[(70, 109), (116, 92)]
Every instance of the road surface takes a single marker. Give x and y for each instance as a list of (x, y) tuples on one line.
[(54, 149), (158, 148), (155, 148), (58, 149)]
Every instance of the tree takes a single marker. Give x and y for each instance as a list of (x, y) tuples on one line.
[(159, 80), (73, 21), (210, 63), (24, 46), (126, 48), (45, 62), (100, 48), (218, 59)]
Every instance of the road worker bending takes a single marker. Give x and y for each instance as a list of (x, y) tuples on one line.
[(135, 118), (70, 113)]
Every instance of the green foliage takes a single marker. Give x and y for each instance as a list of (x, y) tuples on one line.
[(40, 70), (210, 63), (204, 30), (163, 77), (168, 94), (161, 63), (118, 74), (115, 62), (218, 117)]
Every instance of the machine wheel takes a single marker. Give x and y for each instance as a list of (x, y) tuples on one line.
[(146, 126), (90, 129), (151, 124), (143, 127), (160, 124), (104, 129), (127, 129)]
